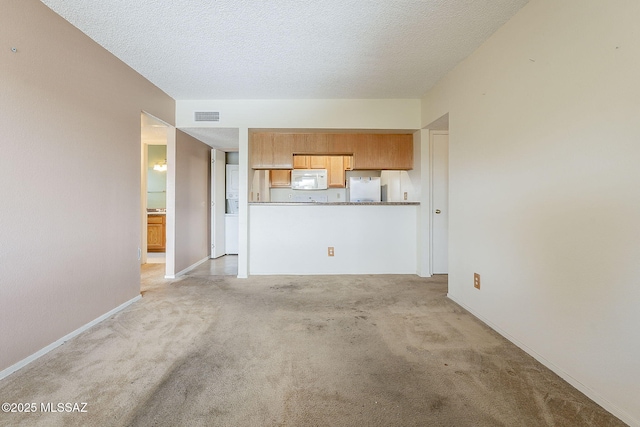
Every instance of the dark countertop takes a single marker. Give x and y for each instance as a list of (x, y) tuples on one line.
[(334, 203)]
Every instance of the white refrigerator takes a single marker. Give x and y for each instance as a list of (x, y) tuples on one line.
[(364, 189)]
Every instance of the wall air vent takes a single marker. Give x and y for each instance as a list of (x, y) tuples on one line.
[(207, 116)]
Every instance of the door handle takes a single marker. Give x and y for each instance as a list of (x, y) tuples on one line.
[(438, 211)]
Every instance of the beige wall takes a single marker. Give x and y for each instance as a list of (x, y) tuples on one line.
[(70, 178), (544, 191), (193, 200)]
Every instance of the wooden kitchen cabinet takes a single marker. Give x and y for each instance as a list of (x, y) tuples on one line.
[(348, 162), (260, 150), (280, 178), (310, 162), (271, 150), (318, 162), (336, 174), (310, 143), (340, 143), (283, 150), (383, 152), (301, 162), (156, 233)]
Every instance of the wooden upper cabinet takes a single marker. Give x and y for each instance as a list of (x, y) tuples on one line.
[(347, 162), (310, 162), (336, 174), (383, 152), (271, 150), (322, 143), (300, 161), (340, 143), (318, 162), (310, 143), (283, 151), (259, 147)]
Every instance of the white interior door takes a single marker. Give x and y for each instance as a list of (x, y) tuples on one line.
[(218, 197), (439, 202)]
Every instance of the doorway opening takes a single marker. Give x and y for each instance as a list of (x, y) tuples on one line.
[(156, 203), (153, 189), (224, 205), (224, 212)]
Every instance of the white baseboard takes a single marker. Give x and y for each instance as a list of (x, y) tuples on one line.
[(24, 362), (188, 269), (590, 393)]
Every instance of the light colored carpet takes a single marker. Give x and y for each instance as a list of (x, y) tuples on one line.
[(295, 351)]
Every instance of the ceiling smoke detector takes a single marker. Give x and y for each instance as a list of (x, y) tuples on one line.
[(207, 116)]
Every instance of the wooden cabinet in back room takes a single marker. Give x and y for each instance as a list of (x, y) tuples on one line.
[(156, 233)]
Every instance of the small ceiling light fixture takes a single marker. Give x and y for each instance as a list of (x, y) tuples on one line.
[(160, 167)]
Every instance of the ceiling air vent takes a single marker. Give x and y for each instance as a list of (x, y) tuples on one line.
[(207, 116)]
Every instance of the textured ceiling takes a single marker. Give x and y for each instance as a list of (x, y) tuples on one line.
[(289, 49)]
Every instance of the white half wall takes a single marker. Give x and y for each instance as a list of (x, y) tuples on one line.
[(367, 239), (544, 190)]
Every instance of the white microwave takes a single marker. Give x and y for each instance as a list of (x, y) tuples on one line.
[(309, 179)]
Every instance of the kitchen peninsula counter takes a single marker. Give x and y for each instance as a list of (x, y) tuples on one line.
[(333, 237)]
